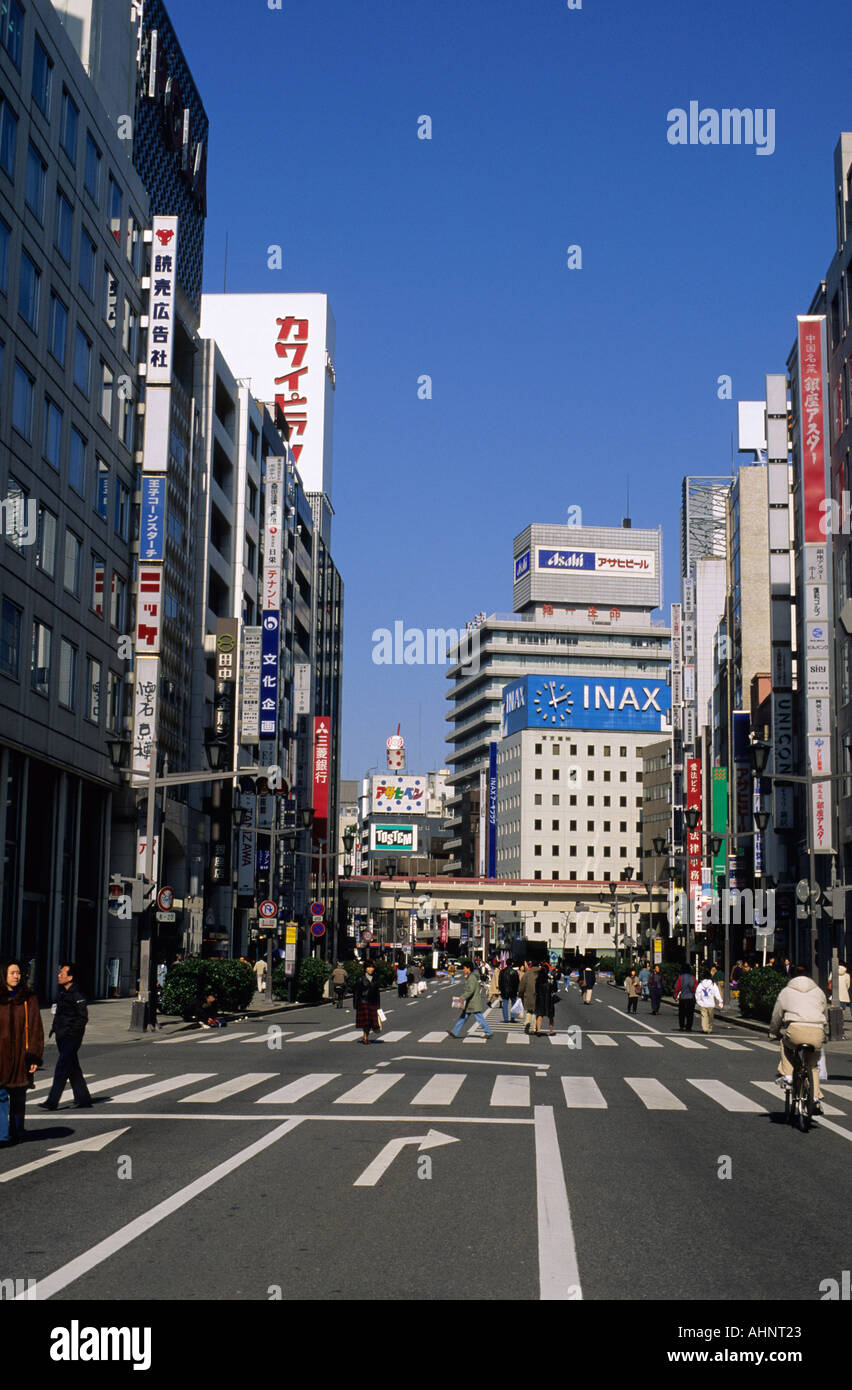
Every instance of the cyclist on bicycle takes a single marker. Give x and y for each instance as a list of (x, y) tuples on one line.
[(800, 1018), (338, 980)]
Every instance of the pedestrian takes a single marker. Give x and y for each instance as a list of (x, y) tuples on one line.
[(633, 986), (735, 977), (708, 998), (366, 996), (644, 977), (21, 1049), (685, 997), (842, 986), (800, 1018), (402, 981), (69, 1025), (338, 982), (472, 1005), (260, 972), (208, 1011), (494, 986), (507, 984), (655, 988), (588, 984), (546, 993), (526, 991)]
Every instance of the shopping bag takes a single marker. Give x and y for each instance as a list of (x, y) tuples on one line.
[(383, 1018), (517, 1010), (421, 988)]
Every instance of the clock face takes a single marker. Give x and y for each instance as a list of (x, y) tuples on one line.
[(553, 701)]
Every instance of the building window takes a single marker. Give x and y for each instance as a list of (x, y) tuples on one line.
[(35, 181), (590, 825), (67, 674), (572, 801), (538, 774), (45, 556), (607, 800), (64, 226), (82, 363), (607, 825), (572, 825), (128, 332), (117, 602), (17, 497), (538, 748), (622, 776), (623, 852), (622, 752), (590, 749), (127, 419), (537, 799), (77, 462), (554, 800), (554, 874), (622, 801), (22, 402), (29, 290), (554, 851), (607, 852), (96, 602), (554, 825), (106, 392), (537, 851), (122, 510), (51, 447), (102, 488), (12, 29), (88, 259), (114, 701), (93, 688), (92, 175), (40, 668), (8, 133), (589, 928), (114, 208), (68, 126), (607, 775), (10, 639), (590, 851), (109, 308), (57, 329), (537, 873), (606, 750), (572, 851), (5, 235), (536, 825), (73, 552), (555, 774), (622, 825)]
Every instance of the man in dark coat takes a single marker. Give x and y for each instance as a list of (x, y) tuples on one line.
[(69, 1025), (684, 993), (508, 982)]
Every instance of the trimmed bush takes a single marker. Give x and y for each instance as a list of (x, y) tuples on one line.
[(310, 981), (189, 980), (759, 988)]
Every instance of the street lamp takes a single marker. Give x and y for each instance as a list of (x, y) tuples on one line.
[(412, 883), (613, 916)]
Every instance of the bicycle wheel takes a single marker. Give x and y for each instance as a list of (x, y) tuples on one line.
[(805, 1101)]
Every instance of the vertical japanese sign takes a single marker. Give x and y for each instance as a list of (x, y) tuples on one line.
[(250, 722), (269, 677), (227, 645), (161, 304), (145, 692), (693, 837), (149, 608), (492, 810), (291, 346), (245, 863), (152, 519), (720, 818), (677, 667), (272, 532), (322, 761)]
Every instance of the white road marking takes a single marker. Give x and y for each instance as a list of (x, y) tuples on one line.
[(432, 1037), (369, 1091), (727, 1043), (636, 1019), (601, 1040), (157, 1088), (510, 1090), (242, 1119), (285, 1095), (351, 1036), (78, 1146), (845, 1092), (264, 1037), (770, 1046), (727, 1097), (773, 1089), (473, 1038), (688, 1042), (583, 1093), (68, 1273), (395, 1036), (472, 1062), (223, 1036), (228, 1088), (653, 1095), (440, 1089), (559, 1274), (374, 1171), (522, 1038), (309, 1037), (641, 1041), (109, 1083)]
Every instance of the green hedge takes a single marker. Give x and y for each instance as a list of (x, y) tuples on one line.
[(310, 981), (385, 973), (759, 988), (189, 980)]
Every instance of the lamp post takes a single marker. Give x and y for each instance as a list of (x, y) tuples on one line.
[(613, 916)]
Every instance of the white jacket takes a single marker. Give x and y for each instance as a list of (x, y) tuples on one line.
[(801, 1001), (707, 995)]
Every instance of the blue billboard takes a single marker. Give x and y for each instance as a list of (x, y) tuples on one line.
[(640, 703), (152, 518), (270, 623)]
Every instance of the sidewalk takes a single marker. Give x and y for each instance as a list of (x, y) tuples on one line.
[(109, 1019)]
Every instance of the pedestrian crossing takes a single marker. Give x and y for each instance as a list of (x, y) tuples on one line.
[(443, 1089), (571, 1039)]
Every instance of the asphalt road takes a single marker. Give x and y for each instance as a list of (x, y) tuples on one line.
[(280, 1159)]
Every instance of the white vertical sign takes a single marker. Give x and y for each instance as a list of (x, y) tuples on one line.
[(250, 722), (145, 691), (161, 301)]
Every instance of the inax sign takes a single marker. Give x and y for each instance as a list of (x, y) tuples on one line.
[(177, 124), (586, 702)]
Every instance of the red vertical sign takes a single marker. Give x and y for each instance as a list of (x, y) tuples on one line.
[(322, 741), (812, 413), (693, 837)]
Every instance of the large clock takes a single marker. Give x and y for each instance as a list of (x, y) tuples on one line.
[(553, 703)]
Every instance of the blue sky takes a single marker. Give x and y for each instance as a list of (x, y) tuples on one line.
[(448, 258)]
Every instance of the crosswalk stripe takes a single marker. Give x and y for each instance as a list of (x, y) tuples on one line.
[(687, 1042), (47, 1081), (727, 1043), (845, 1092), (396, 1036), (109, 1083), (440, 1089), (642, 1040), (432, 1037), (773, 1089), (564, 1040), (349, 1037), (158, 1088), (264, 1037), (770, 1046), (223, 1037), (653, 1095), (727, 1097), (295, 1090), (195, 1035), (475, 1038), (522, 1038), (368, 1091), (601, 1040), (228, 1088), (309, 1037), (583, 1093), (510, 1090)]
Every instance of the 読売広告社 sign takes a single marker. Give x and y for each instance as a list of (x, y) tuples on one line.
[(586, 702), (640, 562), (393, 839)]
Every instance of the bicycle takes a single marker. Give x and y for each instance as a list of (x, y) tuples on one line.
[(798, 1097)]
